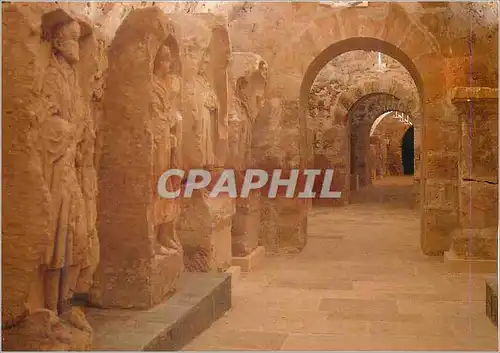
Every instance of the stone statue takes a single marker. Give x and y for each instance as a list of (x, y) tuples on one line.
[(61, 139), (141, 256), (67, 155), (204, 224), (249, 75), (248, 78), (207, 133), (240, 125), (167, 130)]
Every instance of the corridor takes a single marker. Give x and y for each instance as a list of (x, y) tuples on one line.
[(361, 283)]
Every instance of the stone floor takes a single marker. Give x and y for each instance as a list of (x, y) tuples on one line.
[(361, 283)]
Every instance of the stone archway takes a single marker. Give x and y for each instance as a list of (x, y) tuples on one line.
[(396, 34), (386, 136), (361, 117), (333, 145), (313, 38)]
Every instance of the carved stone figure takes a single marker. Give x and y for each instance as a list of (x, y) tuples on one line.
[(141, 256), (209, 111), (62, 138), (248, 80), (240, 125), (205, 222), (166, 94), (67, 155)]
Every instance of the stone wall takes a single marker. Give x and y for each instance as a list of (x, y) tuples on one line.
[(79, 133)]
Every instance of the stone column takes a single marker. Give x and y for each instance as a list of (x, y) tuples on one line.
[(476, 237), (141, 256), (204, 225)]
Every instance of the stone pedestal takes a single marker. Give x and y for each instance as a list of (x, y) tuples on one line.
[(476, 238), (246, 224), (284, 224), (204, 229)]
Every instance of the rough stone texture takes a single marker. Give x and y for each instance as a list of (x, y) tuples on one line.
[(141, 255), (248, 78), (205, 222), (389, 134), (284, 224), (205, 231), (337, 111), (356, 286), (246, 225), (296, 40), (202, 298), (477, 235), (50, 242), (205, 100)]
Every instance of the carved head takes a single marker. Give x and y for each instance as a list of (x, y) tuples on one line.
[(242, 89), (65, 41), (163, 61)]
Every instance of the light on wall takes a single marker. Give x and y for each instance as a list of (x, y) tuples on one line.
[(381, 66)]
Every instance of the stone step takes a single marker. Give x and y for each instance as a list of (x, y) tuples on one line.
[(492, 300), (202, 298)]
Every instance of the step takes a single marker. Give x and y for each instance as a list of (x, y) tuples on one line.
[(202, 298)]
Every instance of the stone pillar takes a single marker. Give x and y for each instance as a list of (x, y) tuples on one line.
[(476, 238), (335, 145), (204, 225), (284, 224), (141, 256), (248, 81), (246, 225)]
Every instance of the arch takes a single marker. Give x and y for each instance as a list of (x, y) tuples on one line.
[(383, 103), (406, 102), (394, 33), (361, 117), (390, 29), (333, 50), (381, 118)]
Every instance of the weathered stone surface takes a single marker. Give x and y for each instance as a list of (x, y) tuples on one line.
[(49, 236), (202, 298), (248, 78), (284, 224), (246, 225), (205, 231), (477, 236), (205, 99), (478, 243), (141, 255), (57, 124)]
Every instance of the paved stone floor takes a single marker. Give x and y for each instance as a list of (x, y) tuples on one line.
[(361, 283)]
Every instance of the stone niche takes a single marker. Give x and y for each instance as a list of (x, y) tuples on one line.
[(477, 237), (50, 245), (248, 79), (204, 225), (141, 255)]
